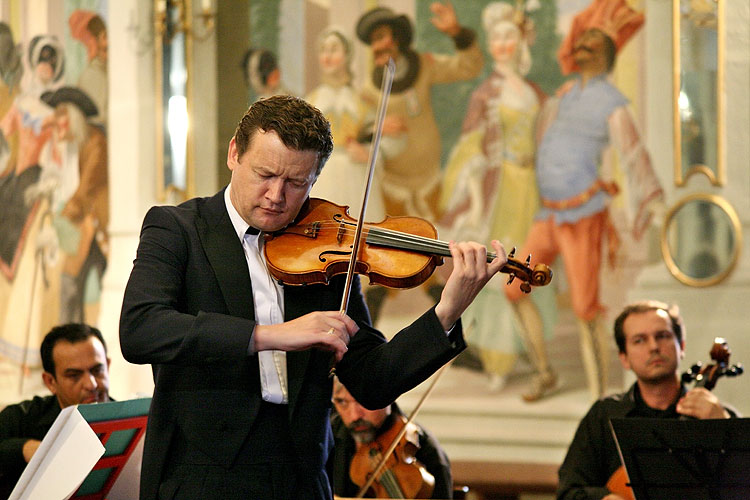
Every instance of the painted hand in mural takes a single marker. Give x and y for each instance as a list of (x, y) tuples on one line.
[(445, 18)]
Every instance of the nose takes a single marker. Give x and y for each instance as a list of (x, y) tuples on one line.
[(275, 191), (90, 383)]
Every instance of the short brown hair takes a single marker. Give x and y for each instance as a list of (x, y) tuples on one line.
[(644, 306), (299, 125)]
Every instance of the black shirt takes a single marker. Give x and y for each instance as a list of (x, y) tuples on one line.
[(20, 422), (593, 457)]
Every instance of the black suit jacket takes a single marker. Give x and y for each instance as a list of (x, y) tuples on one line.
[(188, 311)]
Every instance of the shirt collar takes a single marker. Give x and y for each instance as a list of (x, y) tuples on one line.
[(239, 224)]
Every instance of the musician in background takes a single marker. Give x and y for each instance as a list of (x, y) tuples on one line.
[(355, 427), (650, 337), (76, 371)]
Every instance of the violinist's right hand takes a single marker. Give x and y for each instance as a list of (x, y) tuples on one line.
[(326, 330)]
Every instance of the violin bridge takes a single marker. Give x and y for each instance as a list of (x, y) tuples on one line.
[(312, 229)]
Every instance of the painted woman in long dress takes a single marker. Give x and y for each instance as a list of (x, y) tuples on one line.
[(342, 180), (489, 190)]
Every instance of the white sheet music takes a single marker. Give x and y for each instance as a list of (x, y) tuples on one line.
[(69, 451)]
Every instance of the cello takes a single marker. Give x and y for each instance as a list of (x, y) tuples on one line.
[(702, 376)]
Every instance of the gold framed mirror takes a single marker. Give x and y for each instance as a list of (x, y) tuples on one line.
[(173, 70), (698, 82), (701, 239)]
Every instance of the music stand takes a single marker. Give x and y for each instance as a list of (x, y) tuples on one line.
[(671, 459), (119, 426)]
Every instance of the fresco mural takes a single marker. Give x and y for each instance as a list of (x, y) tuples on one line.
[(53, 176), (472, 130)]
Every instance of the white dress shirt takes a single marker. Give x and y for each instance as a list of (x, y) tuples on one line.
[(268, 300)]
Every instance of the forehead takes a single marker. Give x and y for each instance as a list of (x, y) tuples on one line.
[(504, 28), (339, 389), (592, 34), (651, 321), (268, 152), (332, 41), (381, 30), (78, 355)]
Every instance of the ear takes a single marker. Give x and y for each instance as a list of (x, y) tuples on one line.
[(232, 156), (624, 360), (50, 381)]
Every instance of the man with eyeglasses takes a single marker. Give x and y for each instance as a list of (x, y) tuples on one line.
[(355, 426)]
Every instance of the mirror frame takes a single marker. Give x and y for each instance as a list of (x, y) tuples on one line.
[(172, 193), (736, 227), (716, 177)]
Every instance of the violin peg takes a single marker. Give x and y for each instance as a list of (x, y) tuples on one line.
[(512, 253), (526, 287), (528, 260), (510, 279)]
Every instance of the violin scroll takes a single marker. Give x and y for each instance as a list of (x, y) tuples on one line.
[(540, 275)]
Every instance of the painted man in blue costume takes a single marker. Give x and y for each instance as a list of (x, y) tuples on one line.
[(585, 131)]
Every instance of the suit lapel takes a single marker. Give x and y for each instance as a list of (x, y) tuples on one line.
[(225, 254)]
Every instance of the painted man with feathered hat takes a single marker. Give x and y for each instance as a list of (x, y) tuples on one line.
[(584, 131)]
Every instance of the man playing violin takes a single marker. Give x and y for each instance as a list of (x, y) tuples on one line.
[(241, 363), (650, 337), (357, 431)]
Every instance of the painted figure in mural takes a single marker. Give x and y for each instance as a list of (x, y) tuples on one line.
[(74, 181), (357, 431), (76, 371), (11, 70), (89, 28), (489, 190), (262, 73), (242, 363), (650, 338), (342, 181), (28, 122), (411, 179), (582, 129)]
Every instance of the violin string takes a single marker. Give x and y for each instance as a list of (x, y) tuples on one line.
[(397, 239)]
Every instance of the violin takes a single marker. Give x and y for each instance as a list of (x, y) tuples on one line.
[(402, 475), (398, 252), (705, 377)]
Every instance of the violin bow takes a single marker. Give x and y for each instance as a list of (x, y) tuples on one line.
[(385, 91), (397, 439)]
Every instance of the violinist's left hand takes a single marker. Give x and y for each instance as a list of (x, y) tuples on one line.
[(470, 273), (701, 403)]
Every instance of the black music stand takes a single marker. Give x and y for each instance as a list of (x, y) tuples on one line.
[(670, 459)]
